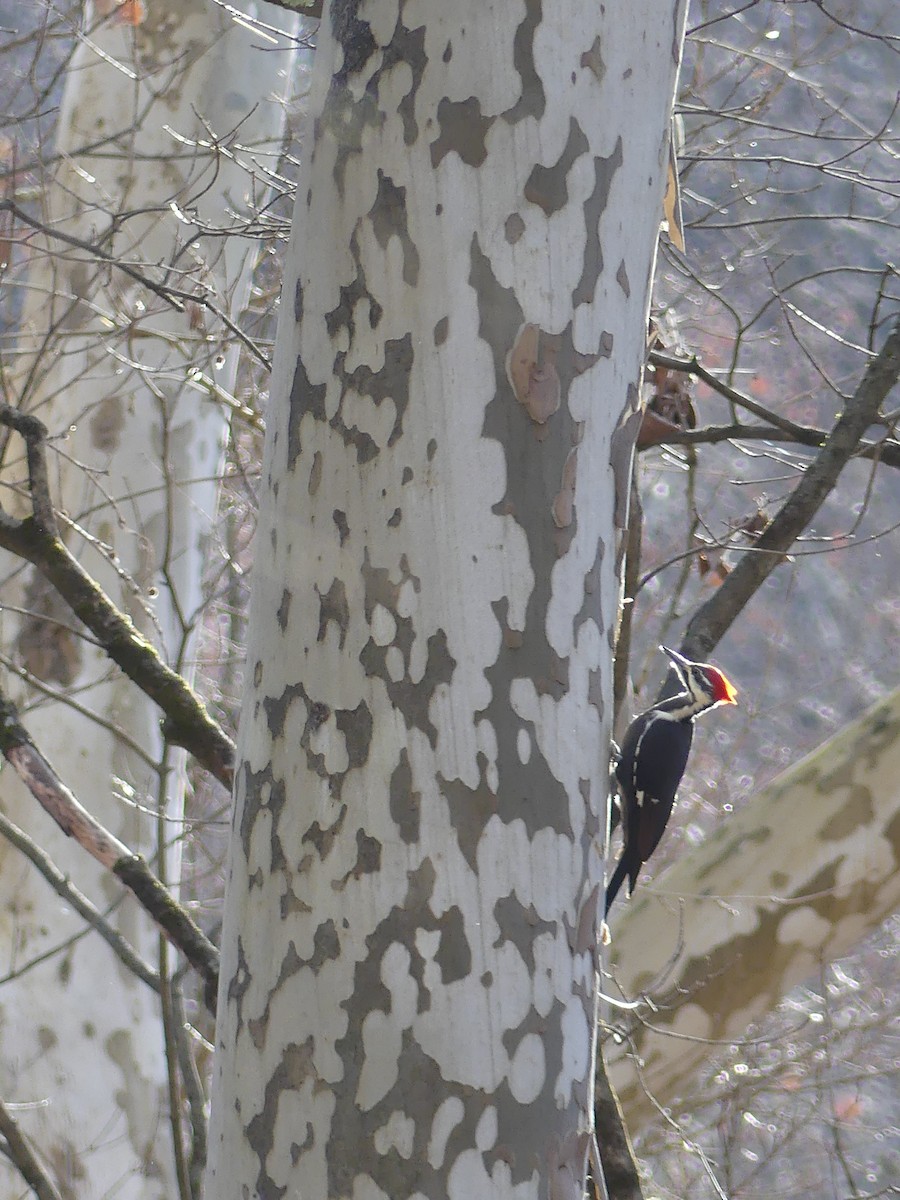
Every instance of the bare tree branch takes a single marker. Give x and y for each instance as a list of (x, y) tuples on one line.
[(36, 538), (68, 892), (22, 1155), (75, 821), (178, 298), (887, 451), (713, 618)]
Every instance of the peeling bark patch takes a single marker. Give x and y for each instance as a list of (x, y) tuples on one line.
[(368, 859), (546, 186), (564, 503), (356, 726), (323, 839), (327, 946), (343, 315), (405, 804), (294, 1068), (622, 279), (593, 60), (340, 519), (521, 926), (354, 37), (463, 129), (261, 790), (333, 606), (315, 473), (388, 217), (857, 813), (594, 207), (531, 368), (590, 608), (441, 329), (454, 954), (238, 986), (532, 101), (391, 382), (513, 228), (284, 610), (406, 46), (413, 699), (304, 398)]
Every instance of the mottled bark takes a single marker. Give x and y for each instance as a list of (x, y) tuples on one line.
[(408, 990), (796, 879)]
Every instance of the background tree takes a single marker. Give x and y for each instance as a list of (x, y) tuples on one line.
[(129, 262)]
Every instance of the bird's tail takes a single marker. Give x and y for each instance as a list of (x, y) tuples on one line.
[(616, 882)]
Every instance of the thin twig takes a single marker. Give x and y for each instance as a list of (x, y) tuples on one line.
[(24, 1158), (887, 451), (123, 950), (37, 539), (713, 618), (75, 821)]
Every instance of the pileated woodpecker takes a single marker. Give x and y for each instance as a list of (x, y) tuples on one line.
[(651, 762)]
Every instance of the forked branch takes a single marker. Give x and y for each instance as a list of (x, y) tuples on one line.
[(37, 539)]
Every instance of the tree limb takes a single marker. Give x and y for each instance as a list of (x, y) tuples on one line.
[(64, 888), (756, 908), (713, 618), (23, 1156), (75, 821), (37, 539), (886, 451)]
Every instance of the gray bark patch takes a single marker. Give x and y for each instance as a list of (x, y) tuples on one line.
[(547, 186), (388, 217), (594, 207), (463, 130)]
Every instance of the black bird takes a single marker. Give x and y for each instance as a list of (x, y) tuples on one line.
[(651, 762)]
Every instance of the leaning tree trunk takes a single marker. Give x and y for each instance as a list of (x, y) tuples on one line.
[(797, 879), (408, 984), (178, 118)]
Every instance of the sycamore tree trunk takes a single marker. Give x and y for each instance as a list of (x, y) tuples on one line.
[(409, 953), (147, 152)]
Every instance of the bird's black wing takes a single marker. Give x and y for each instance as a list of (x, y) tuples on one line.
[(661, 748)]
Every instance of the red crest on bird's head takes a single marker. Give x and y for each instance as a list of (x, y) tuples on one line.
[(705, 676), (723, 689)]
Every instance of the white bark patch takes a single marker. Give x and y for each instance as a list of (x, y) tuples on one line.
[(448, 1115), (397, 1135), (528, 1069)]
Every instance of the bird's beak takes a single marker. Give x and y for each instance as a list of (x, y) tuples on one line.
[(678, 659)]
